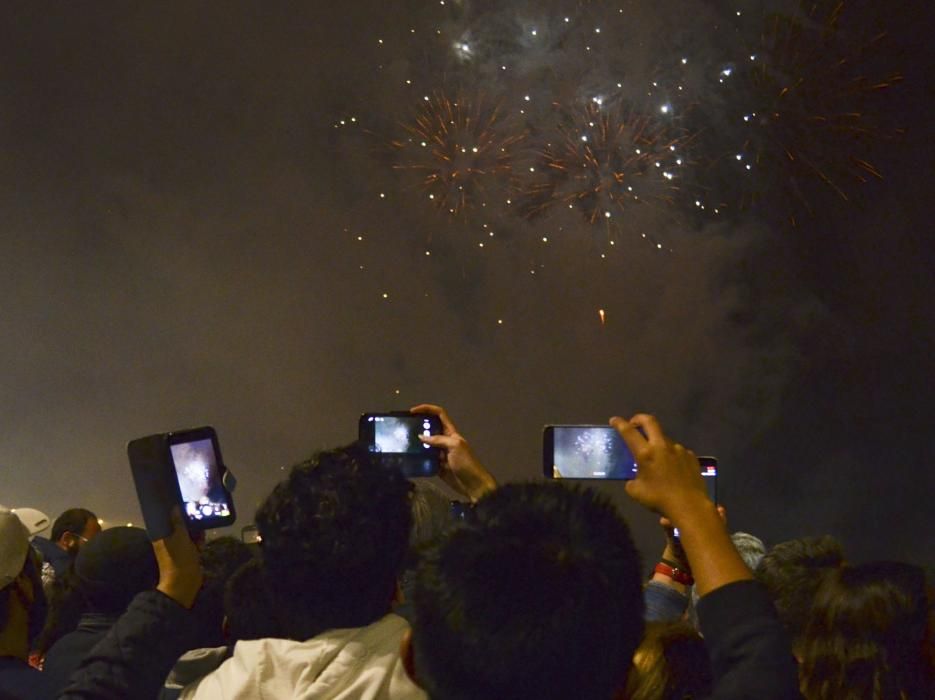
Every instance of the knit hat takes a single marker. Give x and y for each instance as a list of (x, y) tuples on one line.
[(14, 545), (114, 566)]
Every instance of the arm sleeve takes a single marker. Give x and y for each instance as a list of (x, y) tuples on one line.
[(136, 655), (750, 652), (663, 603)]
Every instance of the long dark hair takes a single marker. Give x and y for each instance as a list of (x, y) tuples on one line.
[(866, 635)]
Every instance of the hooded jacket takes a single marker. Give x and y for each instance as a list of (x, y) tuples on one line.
[(339, 664)]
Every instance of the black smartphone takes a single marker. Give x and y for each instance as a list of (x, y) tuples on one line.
[(183, 468), (392, 438), (709, 472), (585, 452)]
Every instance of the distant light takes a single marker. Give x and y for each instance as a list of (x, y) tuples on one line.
[(606, 214), (665, 108), (534, 32), (684, 61), (100, 521), (526, 98), (129, 524), (385, 295)]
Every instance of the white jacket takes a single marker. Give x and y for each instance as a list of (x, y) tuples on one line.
[(344, 664)]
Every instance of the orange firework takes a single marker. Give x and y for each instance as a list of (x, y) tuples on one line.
[(461, 149), (600, 161)]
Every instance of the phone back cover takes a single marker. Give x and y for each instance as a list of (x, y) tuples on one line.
[(149, 465)]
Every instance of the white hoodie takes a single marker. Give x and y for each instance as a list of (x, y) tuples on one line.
[(344, 664)]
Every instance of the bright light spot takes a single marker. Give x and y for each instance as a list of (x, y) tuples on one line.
[(474, 150), (532, 170), (385, 295), (360, 238), (606, 214), (423, 144), (753, 57), (431, 196), (480, 245), (534, 32), (678, 161), (659, 246), (667, 175), (697, 203), (567, 20), (665, 108), (619, 85), (428, 252), (502, 67), (526, 98), (379, 41), (638, 151), (746, 117), (672, 148), (584, 137), (739, 156), (426, 98), (597, 30), (684, 61), (499, 321), (749, 167), (545, 239), (382, 195)]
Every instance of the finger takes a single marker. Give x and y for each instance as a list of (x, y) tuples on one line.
[(650, 426), (634, 439), (449, 427), (445, 442)]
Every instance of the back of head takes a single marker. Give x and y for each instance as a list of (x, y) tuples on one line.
[(538, 594), (73, 520), (866, 637), (113, 567), (247, 607), (220, 558), (334, 535), (793, 571), (671, 663)]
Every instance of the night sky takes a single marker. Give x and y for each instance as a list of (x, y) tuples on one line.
[(191, 236)]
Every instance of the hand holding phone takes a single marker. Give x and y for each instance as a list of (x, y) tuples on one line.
[(181, 469), (458, 466)]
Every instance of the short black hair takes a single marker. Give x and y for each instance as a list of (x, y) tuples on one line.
[(247, 605), (220, 558), (537, 595), (792, 572), (72, 520), (333, 537)]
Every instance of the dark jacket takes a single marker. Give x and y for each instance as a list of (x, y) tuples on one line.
[(19, 681), (751, 656), (53, 555), (135, 656), (65, 655)]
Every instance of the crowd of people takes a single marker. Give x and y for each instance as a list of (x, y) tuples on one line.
[(368, 585)]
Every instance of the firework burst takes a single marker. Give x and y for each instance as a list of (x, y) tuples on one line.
[(602, 161), (807, 105), (459, 150)]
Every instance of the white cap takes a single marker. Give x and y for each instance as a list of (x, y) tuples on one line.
[(35, 520)]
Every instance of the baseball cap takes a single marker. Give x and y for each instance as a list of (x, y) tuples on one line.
[(14, 545)]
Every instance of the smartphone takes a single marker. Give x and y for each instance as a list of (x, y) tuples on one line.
[(392, 438), (709, 472), (182, 468), (585, 452)]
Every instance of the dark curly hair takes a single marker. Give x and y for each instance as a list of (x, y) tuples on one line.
[(537, 595), (334, 535), (866, 636), (792, 572)]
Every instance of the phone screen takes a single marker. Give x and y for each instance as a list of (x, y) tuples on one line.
[(400, 434), (197, 469), (393, 439), (586, 452)]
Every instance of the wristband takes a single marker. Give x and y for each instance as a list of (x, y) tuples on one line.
[(676, 565), (676, 574)]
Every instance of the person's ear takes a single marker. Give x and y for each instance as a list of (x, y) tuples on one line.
[(408, 656)]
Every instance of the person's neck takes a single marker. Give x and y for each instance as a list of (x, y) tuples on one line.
[(14, 638)]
